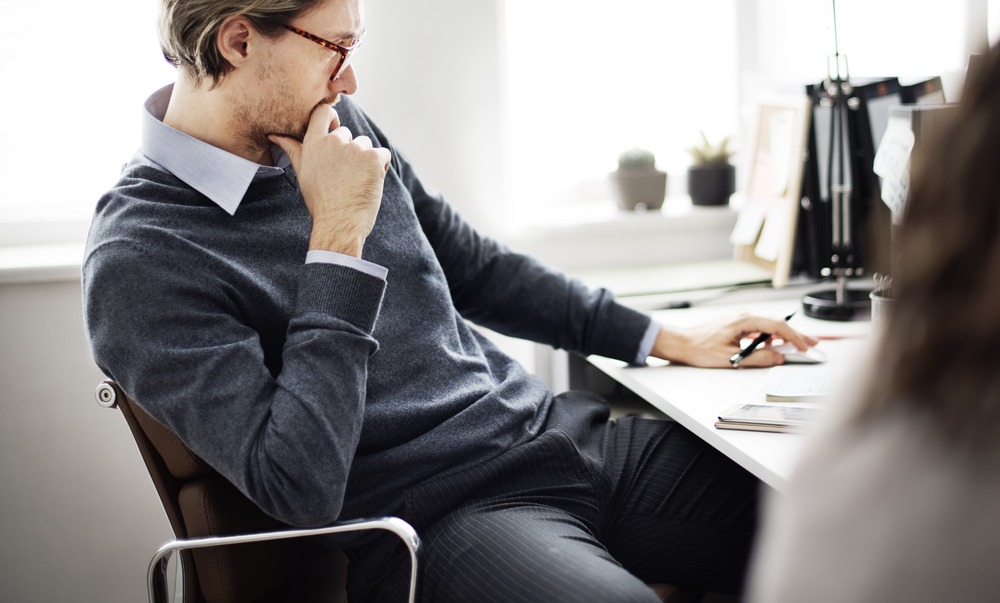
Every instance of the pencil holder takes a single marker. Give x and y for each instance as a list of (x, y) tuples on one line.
[(881, 308)]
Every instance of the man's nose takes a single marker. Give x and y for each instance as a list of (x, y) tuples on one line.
[(346, 82)]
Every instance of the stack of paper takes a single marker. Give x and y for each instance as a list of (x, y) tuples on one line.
[(768, 417)]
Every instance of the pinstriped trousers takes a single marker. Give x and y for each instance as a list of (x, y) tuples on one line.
[(591, 510)]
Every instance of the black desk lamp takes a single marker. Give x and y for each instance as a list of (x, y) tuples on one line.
[(839, 303)]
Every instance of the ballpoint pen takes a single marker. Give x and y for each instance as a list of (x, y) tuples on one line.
[(740, 356)]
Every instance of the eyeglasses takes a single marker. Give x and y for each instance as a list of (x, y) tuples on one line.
[(345, 52)]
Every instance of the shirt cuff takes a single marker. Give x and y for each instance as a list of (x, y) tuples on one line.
[(647, 341), (322, 256)]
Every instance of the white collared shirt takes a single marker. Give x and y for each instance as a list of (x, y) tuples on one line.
[(218, 174)]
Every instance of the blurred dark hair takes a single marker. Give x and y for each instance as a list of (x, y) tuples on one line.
[(941, 347)]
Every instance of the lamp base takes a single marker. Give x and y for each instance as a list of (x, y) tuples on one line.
[(823, 305)]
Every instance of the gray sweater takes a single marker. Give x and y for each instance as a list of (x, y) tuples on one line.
[(318, 390)]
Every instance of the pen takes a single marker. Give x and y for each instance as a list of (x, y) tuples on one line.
[(738, 357), (675, 305)]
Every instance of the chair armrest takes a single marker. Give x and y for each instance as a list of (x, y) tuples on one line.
[(156, 575)]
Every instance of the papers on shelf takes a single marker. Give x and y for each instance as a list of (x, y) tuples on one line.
[(892, 163)]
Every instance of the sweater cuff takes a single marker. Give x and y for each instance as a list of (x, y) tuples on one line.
[(343, 292), (622, 334)]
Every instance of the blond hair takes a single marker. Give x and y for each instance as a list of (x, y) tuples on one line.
[(188, 29)]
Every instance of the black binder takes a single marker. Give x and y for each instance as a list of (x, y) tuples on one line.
[(868, 105), (929, 91)]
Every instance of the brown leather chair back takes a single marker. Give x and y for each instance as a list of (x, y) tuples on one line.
[(199, 502)]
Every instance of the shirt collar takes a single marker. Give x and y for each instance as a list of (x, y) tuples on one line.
[(219, 175)]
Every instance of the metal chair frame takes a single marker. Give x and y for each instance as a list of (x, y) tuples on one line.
[(156, 575)]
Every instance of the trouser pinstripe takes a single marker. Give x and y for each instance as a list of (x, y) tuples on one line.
[(591, 510)]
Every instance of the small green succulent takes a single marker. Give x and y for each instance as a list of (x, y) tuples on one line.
[(637, 160), (710, 154)]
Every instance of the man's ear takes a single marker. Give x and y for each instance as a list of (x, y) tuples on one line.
[(234, 39)]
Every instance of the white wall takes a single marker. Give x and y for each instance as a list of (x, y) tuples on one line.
[(429, 75), (80, 517)]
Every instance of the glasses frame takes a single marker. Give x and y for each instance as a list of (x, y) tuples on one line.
[(345, 52)]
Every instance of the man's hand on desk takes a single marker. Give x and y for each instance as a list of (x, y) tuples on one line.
[(713, 344)]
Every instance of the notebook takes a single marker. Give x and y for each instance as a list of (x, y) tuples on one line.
[(809, 383)]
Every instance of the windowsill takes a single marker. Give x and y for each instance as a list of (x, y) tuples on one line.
[(605, 215), (57, 262), (594, 235), (599, 235)]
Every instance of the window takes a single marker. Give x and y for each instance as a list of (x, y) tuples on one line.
[(582, 81), (879, 37), (587, 79), (75, 75)]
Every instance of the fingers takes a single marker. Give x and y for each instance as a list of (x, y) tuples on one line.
[(801, 341), (343, 134), (713, 344), (385, 157), (765, 355), (323, 119), (762, 357), (779, 329), (290, 146), (334, 119)]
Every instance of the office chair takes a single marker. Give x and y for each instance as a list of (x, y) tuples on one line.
[(230, 551)]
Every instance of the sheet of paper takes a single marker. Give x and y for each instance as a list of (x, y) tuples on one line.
[(748, 223), (781, 124), (797, 382), (775, 231), (892, 163)]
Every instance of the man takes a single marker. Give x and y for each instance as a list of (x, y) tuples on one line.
[(273, 283)]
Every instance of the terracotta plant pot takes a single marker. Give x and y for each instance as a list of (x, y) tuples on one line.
[(640, 190), (711, 184)]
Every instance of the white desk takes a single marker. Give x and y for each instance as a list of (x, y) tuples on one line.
[(694, 397)]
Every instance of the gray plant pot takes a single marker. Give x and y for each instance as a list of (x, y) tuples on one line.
[(640, 190), (711, 184)]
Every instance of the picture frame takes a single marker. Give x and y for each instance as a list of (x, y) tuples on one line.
[(765, 230)]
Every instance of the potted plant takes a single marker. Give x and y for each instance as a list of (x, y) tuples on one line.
[(640, 186), (711, 177)]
